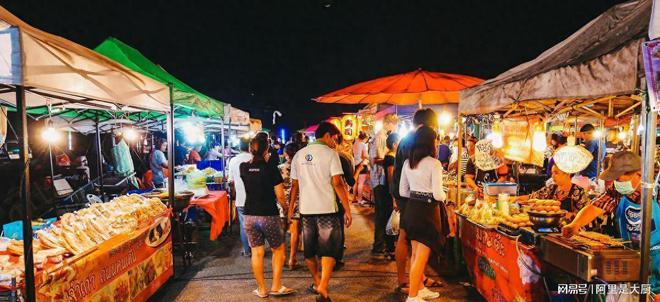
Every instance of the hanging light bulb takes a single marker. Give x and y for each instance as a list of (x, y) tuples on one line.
[(598, 133), (622, 135), (495, 136), (130, 134), (539, 142), (50, 135), (444, 118)]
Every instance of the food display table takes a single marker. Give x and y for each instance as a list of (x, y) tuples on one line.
[(501, 268), (216, 204)]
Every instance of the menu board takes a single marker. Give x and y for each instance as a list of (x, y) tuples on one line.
[(651, 51), (485, 157), (518, 138)]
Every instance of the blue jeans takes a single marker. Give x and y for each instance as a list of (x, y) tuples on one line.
[(244, 240)]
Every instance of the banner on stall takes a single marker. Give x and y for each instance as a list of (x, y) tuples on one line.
[(651, 51), (125, 268), (500, 271), (518, 137)]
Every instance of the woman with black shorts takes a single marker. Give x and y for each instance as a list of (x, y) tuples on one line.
[(263, 188), (421, 184)]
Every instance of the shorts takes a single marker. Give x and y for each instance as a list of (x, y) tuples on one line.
[(322, 235), (264, 228)]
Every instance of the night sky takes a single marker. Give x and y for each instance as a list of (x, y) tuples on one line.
[(276, 55)]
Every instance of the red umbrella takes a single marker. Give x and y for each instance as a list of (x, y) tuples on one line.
[(416, 87)]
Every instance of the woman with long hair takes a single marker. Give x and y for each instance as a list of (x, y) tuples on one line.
[(294, 227), (421, 183), (263, 189)]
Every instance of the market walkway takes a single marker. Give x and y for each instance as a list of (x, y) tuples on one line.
[(223, 275)]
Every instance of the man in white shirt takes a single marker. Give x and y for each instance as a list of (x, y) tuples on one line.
[(237, 186), (317, 174)]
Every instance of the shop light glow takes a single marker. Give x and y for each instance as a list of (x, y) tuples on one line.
[(193, 133), (130, 134), (539, 142), (444, 118), (496, 138), (622, 135), (283, 135), (378, 125), (50, 135), (598, 133)]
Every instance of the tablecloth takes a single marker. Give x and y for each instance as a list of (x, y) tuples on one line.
[(217, 205)]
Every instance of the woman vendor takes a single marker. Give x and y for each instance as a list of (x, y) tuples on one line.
[(623, 201), (572, 196)]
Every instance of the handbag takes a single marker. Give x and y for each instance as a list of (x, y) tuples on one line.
[(392, 227)]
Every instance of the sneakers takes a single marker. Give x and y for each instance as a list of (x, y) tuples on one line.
[(427, 294), (414, 299)]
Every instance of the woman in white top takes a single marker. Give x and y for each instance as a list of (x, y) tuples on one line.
[(421, 183)]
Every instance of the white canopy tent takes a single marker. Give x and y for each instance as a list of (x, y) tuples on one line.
[(54, 70), (40, 69)]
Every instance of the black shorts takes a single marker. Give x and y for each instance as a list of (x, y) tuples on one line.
[(322, 235)]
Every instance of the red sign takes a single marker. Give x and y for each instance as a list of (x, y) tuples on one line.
[(499, 270)]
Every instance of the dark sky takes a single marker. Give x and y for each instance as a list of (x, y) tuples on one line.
[(275, 55)]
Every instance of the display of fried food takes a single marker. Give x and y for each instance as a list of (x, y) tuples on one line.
[(596, 239), (80, 231), (545, 206), (516, 220)]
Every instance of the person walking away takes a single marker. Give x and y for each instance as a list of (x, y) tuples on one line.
[(422, 117), (238, 189), (316, 173), (349, 176), (360, 156), (274, 159), (377, 152), (444, 152), (263, 190), (421, 184), (290, 151), (593, 144), (158, 162), (383, 243), (193, 156)]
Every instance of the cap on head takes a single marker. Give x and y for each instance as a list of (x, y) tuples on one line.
[(621, 163)]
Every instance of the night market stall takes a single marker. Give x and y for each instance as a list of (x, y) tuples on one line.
[(121, 247), (511, 244)]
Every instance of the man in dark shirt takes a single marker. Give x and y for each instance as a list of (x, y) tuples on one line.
[(444, 152), (422, 117)]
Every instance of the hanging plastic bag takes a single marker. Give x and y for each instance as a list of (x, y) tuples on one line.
[(392, 227)]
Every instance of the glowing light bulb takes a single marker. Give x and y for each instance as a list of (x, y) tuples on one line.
[(130, 134), (444, 118), (496, 139), (539, 142), (50, 135), (378, 125), (622, 135), (598, 133)]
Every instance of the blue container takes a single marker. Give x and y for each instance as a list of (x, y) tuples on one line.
[(215, 164), (14, 230)]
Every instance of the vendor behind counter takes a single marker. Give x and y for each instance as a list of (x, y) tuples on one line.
[(622, 200)]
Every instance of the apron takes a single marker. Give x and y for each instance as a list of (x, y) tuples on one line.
[(629, 221)]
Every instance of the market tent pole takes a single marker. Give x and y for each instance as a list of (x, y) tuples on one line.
[(649, 118), (635, 135), (50, 161), (99, 156), (170, 146), (459, 157), (21, 106)]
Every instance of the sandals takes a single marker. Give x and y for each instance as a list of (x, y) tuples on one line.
[(256, 293), (403, 289), (284, 291), (311, 289), (428, 282)]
